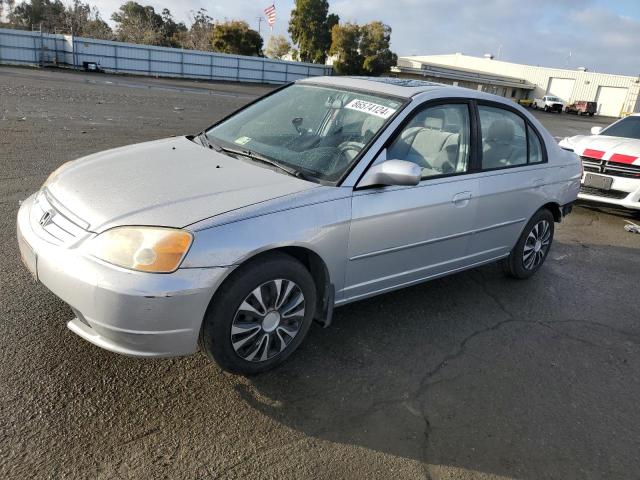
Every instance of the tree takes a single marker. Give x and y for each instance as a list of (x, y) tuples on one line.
[(83, 20), (200, 34), (310, 28), (8, 5), (362, 49), (49, 14), (141, 24), (374, 48), (172, 32), (236, 37), (345, 46), (277, 47)]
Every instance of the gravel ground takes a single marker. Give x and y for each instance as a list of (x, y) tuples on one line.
[(471, 376)]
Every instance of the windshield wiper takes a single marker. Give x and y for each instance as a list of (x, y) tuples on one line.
[(202, 136), (206, 141), (261, 158)]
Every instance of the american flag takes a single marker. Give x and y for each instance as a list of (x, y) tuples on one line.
[(270, 13)]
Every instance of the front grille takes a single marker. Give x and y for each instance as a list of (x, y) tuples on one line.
[(54, 223), (617, 194), (614, 169)]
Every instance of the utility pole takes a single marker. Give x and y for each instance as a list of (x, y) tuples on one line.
[(259, 24)]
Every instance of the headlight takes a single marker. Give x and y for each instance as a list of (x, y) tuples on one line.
[(54, 174), (147, 249)]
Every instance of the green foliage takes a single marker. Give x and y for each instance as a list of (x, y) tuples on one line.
[(362, 50), (237, 38), (200, 34), (277, 47), (85, 21), (345, 45), (49, 14), (141, 24), (310, 28), (374, 48), (77, 18)]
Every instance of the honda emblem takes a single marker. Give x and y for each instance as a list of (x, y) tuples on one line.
[(46, 218)]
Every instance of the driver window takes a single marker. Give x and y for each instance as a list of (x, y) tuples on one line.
[(437, 139)]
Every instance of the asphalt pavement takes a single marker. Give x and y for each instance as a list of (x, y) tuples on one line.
[(470, 376)]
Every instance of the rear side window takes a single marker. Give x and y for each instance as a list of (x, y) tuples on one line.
[(504, 138)]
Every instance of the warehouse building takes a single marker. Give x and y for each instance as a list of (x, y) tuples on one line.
[(616, 95)]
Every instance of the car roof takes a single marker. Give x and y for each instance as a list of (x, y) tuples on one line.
[(398, 87)]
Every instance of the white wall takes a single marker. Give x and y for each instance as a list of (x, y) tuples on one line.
[(21, 47), (585, 87)]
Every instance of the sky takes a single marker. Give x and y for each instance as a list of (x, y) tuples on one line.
[(601, 35)]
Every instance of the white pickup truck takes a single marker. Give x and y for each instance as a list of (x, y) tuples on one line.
[(548, 103)]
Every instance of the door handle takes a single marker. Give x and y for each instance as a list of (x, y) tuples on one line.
[(461, 199)]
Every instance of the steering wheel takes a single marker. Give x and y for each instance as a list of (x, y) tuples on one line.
[(347, 151)]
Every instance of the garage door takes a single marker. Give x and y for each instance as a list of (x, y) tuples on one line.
[(611, 100), (561, 87)]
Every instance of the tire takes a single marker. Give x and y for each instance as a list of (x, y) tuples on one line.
[(546, 108), (523, 263), (266, 332), (534, 106), (591, 114)]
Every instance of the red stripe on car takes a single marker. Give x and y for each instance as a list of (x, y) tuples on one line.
[(620, 158), (593, 153)]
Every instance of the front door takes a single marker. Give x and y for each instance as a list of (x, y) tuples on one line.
[(402, 235)]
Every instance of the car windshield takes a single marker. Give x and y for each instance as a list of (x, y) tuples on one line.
[(317, 131), (553, 99), (627, 127)]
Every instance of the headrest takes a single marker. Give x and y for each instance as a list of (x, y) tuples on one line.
[(501, 130), (434, 120)]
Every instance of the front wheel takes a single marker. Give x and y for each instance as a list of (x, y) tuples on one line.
[(260, 315), (532, 248)]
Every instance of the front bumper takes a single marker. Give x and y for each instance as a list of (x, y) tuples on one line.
[(624, 192), (132, 313)]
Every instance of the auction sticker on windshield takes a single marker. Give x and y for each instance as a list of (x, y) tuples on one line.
[(370, 108)]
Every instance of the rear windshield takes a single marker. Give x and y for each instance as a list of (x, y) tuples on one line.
[(627, 127)]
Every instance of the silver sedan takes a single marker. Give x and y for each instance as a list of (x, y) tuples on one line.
[(326, 191)]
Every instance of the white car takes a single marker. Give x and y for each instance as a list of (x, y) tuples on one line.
[(549, 103), (611, 162)]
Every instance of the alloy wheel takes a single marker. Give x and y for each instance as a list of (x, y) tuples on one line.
[(536, 245), (268, 320)]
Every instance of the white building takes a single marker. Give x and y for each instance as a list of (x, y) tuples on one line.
[(616, 95)]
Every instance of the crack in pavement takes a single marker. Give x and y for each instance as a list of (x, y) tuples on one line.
[(460, 350)]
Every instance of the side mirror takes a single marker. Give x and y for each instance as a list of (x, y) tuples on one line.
[(392, 172), (596, 130)]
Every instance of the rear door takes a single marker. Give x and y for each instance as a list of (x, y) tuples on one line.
[(511, 180), (402, 235)]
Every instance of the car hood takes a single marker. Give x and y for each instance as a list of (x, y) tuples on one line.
[(172, 182), (618, 149)]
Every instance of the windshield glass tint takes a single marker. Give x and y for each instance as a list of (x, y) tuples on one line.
[(317, 130), (627, 127)]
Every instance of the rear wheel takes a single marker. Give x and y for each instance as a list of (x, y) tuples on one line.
[(260, 315), (532, 248)]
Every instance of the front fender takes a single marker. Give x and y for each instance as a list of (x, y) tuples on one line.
[(322, 228)]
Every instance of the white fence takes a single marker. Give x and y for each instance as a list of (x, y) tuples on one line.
[(21, 47)]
